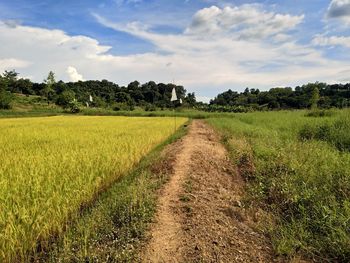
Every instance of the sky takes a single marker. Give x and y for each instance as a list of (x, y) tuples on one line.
[(208, 46)]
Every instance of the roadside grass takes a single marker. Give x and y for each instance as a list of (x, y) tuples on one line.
[(111, 228), (336, 132), (305, 184)]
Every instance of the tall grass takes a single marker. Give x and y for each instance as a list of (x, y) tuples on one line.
[(336, 132), (51, 167), (304, 183)]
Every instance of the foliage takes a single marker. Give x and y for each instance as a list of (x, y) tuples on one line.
[(65, 98), (150, 107), (305, 184), (105, 94), (320, 113), (311, 95), (48, 90), (335, 132), (5, 99), (74, 107), (51, 167), (122, 107)]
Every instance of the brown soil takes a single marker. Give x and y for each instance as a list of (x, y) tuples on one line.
[(200, 217)]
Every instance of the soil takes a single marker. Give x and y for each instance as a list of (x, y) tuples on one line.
[(200, 217)]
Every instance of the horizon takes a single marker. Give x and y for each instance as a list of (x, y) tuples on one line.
[(208, 46)]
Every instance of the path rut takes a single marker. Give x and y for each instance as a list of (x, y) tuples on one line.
[(199, 216)]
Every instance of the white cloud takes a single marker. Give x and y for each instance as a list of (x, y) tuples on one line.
[(12, 63), (213, 55), (73, 74), (37, 50), (243, 22), (320, 40), (247, 47)]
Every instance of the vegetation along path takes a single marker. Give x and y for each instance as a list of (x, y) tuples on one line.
[(199, 216)]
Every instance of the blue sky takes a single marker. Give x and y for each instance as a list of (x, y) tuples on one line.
[(206, 45)]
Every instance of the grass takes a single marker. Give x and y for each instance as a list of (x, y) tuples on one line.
[(39, 111), (305, 184), (335, 132), (30, 106), (187, 113), (52, 167)]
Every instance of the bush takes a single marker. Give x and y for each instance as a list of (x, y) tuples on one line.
[(335, 133), (150, 107), (120, 106), (5, 100), (65, 98), (320, 113), (307, 132), (99, 103), (74, 107)]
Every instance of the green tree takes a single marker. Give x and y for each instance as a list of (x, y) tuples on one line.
[(48, 90), (24, 86), (10, 78), (5, 99), (315, 97), (65, 98), (191, 99)]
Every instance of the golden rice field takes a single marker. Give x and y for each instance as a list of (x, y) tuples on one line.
[(51, 166)]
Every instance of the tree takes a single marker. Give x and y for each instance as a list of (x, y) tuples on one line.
[(191, 99), (5, 99), (315, 97), (65, 98), (10, 78), (24, 86), (48, 90)]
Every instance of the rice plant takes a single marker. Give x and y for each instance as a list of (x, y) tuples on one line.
[(51, 167)]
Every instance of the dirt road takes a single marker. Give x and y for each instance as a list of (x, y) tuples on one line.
[(200, 217)]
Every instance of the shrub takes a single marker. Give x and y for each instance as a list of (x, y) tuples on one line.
[(307, 132), (74, 107), (65, 98), (5, 100), (120, 106), (320, 113), (150, 107), (335, 133)]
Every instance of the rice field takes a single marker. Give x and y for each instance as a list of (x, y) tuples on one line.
[(50, 167)]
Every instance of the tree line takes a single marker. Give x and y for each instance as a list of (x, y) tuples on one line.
[(151, 95), (94, 93), (311, 95)]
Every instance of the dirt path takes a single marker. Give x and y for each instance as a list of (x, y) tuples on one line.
[(199, 217)]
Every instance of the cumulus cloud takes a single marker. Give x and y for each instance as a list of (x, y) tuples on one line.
[(320, 40), (213, 53), (246, 21), (339, 9), (36, 50), (12, 63), (209, 53), (73, 74)]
